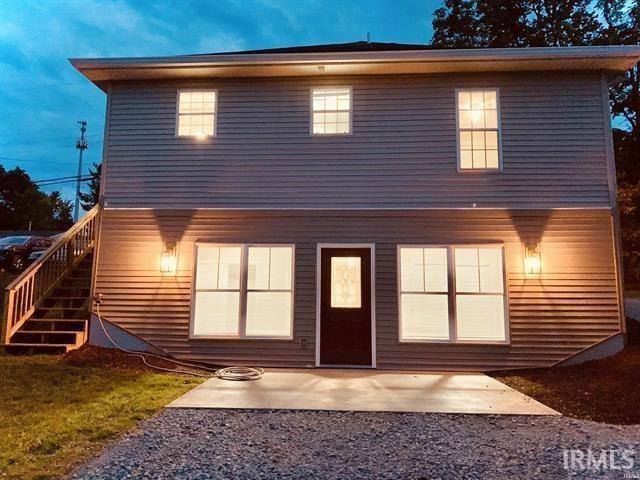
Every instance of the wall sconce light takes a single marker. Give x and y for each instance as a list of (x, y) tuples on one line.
[(532, 260), (169, 258)]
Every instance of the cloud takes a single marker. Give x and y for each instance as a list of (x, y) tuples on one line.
[(42, 96)]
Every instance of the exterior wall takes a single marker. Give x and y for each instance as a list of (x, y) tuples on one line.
[(402, 153), (573, 304)]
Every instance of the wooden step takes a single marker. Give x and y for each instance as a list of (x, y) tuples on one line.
[(81, 297), (75, 283), (45, 337), (53, 313), (58, 309), (64, 302), (55, 324), (62, 291), (36, 348)]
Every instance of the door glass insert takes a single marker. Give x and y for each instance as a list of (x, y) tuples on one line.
[(346, 283)]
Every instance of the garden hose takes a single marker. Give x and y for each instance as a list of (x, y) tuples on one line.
[(226, 373)]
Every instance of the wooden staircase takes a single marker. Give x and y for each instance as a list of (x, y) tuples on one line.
[(61, 322), (46, 309)]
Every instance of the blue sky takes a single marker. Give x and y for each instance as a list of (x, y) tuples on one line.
[(42, 96)]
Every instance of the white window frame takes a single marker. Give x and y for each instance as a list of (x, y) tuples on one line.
[(452, 295), (242, 313), (499, 130), (215, 111), (331, 87)]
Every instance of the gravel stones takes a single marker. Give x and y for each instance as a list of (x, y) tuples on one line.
[(263, 444)]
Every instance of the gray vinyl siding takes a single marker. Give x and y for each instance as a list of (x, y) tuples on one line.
[(572, 305), (402, 153)]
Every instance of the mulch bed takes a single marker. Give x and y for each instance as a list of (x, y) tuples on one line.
[(92, 356), (606, 390)]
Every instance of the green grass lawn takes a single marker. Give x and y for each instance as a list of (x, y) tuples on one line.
[(55, 414)]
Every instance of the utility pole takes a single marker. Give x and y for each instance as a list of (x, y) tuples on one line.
[(81, 145)]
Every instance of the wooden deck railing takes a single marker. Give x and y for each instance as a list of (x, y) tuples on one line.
[(26, 293)]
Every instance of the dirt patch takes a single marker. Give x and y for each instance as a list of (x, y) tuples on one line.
[(606, 390), (92, 356)]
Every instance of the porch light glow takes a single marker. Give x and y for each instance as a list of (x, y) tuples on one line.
[(168, 258), (532, 261)]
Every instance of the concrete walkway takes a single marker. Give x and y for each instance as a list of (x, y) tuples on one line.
[(364, 390)]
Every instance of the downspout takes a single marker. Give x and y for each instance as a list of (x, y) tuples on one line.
[(101, 202), (615, 211)]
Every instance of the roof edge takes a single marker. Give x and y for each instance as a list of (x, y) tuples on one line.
[(613, 59), (487, 54)]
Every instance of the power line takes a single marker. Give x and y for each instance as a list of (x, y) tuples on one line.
[(33, 148), (58, 178), (42, 162), (71, 180), (50, 85), (50, 140)]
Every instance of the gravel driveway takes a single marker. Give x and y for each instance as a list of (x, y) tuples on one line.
[(245, 444)]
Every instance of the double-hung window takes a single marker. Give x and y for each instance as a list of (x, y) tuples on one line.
[(478, 129), (243, 291), (196, 113), (331, 111), (452, 294)]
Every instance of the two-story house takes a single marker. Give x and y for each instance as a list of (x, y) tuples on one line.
[(362, 204)]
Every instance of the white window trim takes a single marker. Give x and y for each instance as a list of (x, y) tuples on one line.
[(451, 281), (242, 313), (215, 111), (329, 87), (499, 115)]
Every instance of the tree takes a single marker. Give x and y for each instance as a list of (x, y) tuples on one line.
[(22, 204), (537, 23), (60, 218), (516, 23), (456, 25), (88, 200), (558, 23), (629, 203), (503, 23), (623, 27)]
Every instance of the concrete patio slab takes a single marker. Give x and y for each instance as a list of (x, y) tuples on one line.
[(365, 390)]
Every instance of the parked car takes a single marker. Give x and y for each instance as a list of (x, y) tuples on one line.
[(16, 250), (33, 256)]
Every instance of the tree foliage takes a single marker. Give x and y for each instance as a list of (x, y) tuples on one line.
[(88, 200), (539, 23), (517, 23), (23, 204)]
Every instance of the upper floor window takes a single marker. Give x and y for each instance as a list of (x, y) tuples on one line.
[(331, 111), (196, 113), (478, 130)]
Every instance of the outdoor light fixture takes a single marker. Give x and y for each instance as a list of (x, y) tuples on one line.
[(168, 258), (532, 261)]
